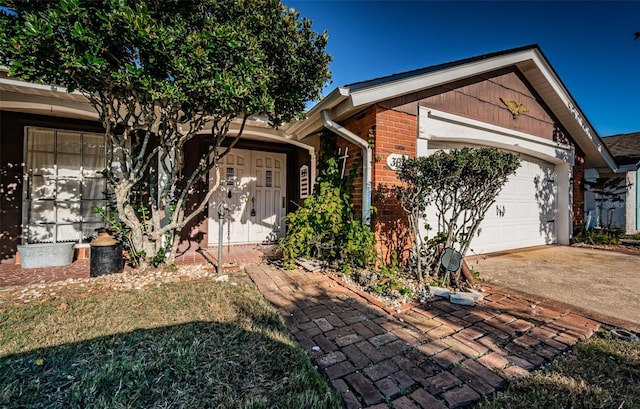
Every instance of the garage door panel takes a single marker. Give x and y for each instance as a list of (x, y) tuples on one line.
[(520, 215)]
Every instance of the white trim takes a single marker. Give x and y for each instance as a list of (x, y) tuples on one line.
[(314, 121), (630, 203), (392, 89), (271, 134), (47, 106), (33, 85), (442, 126), (564, 203)]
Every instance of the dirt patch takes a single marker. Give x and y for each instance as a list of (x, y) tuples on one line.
[(607, 282)]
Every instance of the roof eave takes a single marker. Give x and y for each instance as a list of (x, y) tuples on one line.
[(313, 121)]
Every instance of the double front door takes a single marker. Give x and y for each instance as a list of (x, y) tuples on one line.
[(253, 186)]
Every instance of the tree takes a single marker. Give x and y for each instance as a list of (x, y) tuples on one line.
[(413, 196), (609, 192), (459, 185), (158, 73)]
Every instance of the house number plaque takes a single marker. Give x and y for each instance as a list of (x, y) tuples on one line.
[(394, 160)]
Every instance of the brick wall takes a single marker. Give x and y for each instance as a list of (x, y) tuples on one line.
[(395, 132), (360, 125), (391, 132)]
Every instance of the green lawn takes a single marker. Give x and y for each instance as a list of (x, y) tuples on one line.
[(197, 344), (601, 372)]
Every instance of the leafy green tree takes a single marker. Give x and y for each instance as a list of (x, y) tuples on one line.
[(459, 185), (158, 73)]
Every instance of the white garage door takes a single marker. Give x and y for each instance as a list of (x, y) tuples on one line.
[(524, 212)]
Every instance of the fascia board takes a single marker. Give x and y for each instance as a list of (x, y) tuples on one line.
[(33, 85), (628, 168), (573, 109), (334, 98), (392, 89)]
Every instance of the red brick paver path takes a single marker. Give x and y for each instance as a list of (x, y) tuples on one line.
[(435, 355)]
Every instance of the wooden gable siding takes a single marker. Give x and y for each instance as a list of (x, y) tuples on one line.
[(478, 98)]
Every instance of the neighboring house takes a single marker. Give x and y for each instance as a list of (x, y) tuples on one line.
[(512, 100), (625, 215)]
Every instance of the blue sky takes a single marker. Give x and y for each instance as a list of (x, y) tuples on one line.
[(589, 44)]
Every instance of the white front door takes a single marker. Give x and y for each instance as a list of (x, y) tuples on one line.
[(269, 196), (253, 187)]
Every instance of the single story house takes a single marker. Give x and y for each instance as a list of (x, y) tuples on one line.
[(51, 147), (625, 214)]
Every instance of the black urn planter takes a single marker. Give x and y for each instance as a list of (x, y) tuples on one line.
[(106, 255)]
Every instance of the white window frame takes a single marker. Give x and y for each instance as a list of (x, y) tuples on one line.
[(27, 200)]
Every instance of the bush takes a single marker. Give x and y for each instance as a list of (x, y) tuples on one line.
[(632, 236), (458, 186), (597, 236), (325, 227)]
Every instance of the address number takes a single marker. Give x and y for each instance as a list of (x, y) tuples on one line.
[(394, 160)]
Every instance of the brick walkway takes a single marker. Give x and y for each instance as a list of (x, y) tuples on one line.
[(433, 355)]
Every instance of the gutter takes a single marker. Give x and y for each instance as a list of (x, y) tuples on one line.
[(367, 155), (312, 123)]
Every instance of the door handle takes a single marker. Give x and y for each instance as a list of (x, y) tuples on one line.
[(284, 201)]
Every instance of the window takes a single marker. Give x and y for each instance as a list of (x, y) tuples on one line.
[(62, 184), (269, 178), (231, 179)]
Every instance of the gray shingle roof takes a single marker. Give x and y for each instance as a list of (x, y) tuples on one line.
[(625, 147)]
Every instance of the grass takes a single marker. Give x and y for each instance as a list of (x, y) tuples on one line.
[(187, 345), (601, 372)]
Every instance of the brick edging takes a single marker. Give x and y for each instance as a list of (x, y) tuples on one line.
[(606, 320), (373, 300)]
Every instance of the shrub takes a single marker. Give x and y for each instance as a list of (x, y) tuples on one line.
[(325, 227), (459, 186), (597, 236)]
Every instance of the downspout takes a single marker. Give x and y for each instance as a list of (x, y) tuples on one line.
[(367, 154)]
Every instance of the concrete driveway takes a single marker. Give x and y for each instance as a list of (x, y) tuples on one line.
[(602, 281)]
